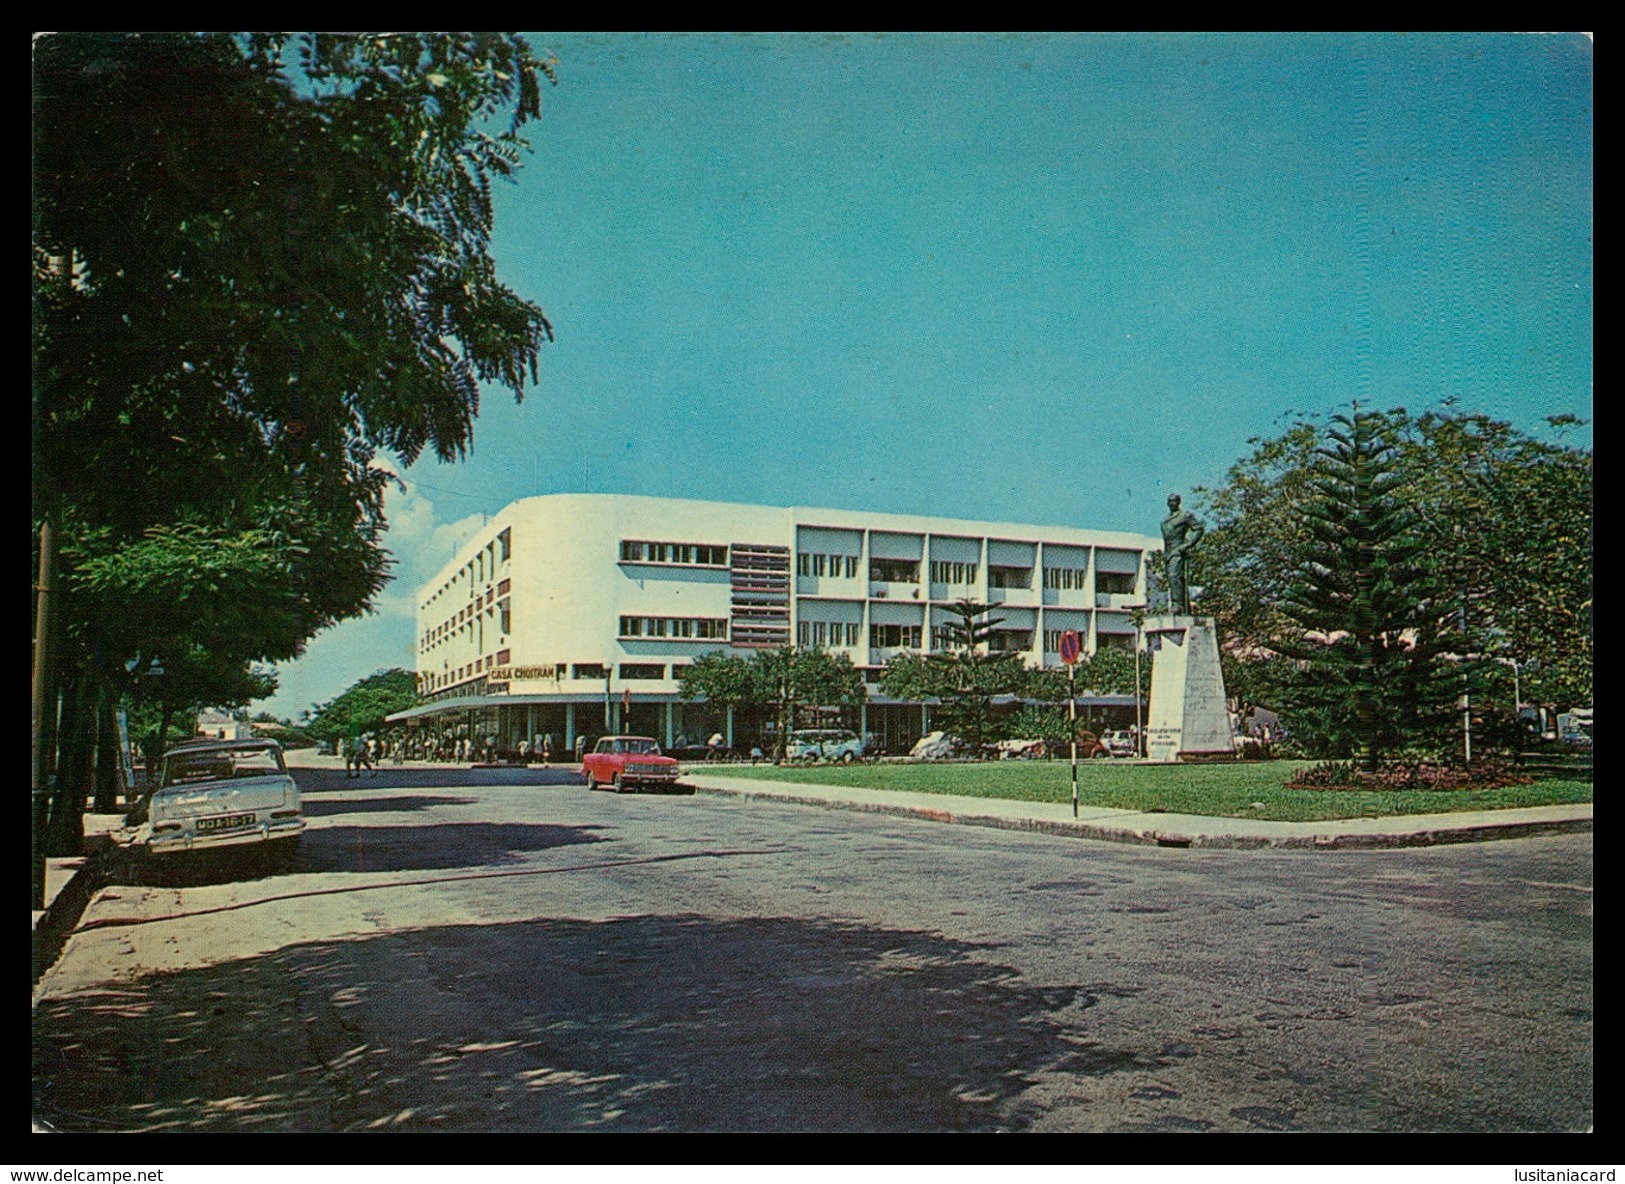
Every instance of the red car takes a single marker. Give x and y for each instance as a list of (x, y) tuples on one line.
[(626, 762)]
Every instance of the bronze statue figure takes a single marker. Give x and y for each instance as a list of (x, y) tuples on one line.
[(1180, 532)]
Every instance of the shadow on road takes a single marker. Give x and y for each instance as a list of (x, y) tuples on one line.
[(424, 848), (638, 1024), (436, 777), (325, 808)]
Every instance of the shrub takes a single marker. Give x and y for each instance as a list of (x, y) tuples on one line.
[(1409, 773)]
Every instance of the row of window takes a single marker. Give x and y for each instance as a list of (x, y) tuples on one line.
[(944, 572), (634, 671), (504, 619), (813, 634), (1103, 641), (595, 671), (480, 569), (820, 633), (687, 554), (1065, 577), (682, 628), (433, 682), (905, 637), (811, 564), (894, 571)]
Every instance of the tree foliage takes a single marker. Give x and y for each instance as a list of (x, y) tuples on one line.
[(1367, 612), (1498, 533), (259, 261), (364, 707), (783, 678), (966, 676)]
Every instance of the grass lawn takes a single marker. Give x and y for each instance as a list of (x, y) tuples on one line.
[(1252, 790)]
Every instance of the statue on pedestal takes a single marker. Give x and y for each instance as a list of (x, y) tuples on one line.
[(1190, 719), (1180, 532)]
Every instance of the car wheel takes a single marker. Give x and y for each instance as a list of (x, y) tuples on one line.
[(847, 757), (617, 784), (1098, 753)]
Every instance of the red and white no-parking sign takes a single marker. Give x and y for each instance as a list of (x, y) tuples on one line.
[(1071, 646)]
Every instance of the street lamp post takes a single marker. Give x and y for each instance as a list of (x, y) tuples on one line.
[(1137, 612)]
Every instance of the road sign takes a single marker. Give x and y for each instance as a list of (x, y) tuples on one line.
[(1071, 646)]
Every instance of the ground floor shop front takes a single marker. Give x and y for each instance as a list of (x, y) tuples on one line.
[(512, 725)]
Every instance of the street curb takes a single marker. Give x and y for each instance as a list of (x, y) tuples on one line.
[(62, 915), (1147, 837)]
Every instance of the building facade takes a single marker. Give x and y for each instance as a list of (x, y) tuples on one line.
[(574, 614)]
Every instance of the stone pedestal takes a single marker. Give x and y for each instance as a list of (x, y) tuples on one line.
[(1190, 717)]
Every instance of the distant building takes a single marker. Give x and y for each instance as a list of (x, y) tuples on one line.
[(222, 725), (575, 614)]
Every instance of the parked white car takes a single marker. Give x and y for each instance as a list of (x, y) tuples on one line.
[(936, 746), (222, 793), (1118, 743)]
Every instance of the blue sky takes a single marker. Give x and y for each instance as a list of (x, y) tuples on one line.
[(1045, 278)]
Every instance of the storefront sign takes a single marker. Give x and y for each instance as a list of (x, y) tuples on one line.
[(522, 673)]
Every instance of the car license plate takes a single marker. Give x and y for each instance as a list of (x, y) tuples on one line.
[(225, 822)]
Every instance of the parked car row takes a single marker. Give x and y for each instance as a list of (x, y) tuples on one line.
[(825, 744), (939, 746)]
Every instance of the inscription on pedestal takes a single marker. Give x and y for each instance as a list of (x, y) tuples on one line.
[(1189, 713)]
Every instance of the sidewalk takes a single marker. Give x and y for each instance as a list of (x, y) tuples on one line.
[(68, 883), (1160, 829)]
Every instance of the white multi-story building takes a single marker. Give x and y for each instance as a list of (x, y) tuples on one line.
[(575, 614)]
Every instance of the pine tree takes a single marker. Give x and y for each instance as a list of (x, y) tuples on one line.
[(965, 675), (1367, 616)]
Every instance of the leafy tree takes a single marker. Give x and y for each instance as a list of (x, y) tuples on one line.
[(1512, 517), (1107, 672), (1042, 721), (1111, 672), (719, 678), (965, 677), (364, 707), (258, 261), (783, 679), (1507, 523)]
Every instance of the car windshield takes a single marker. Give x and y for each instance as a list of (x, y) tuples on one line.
[(635, 746), (217, 764)]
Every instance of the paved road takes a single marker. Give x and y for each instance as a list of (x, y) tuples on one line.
[(473, 950)]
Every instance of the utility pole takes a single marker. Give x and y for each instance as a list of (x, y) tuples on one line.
[(1072, 726), (1137, 612), (41, 684)]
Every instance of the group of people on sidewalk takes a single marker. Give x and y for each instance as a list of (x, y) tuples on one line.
[(363, 752)]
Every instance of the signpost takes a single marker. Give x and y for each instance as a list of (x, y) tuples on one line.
[(1071, 648)]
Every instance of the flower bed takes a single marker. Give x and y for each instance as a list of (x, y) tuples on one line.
[(1409, 774)]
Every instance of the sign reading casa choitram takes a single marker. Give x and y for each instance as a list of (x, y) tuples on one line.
[(522, 673)]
